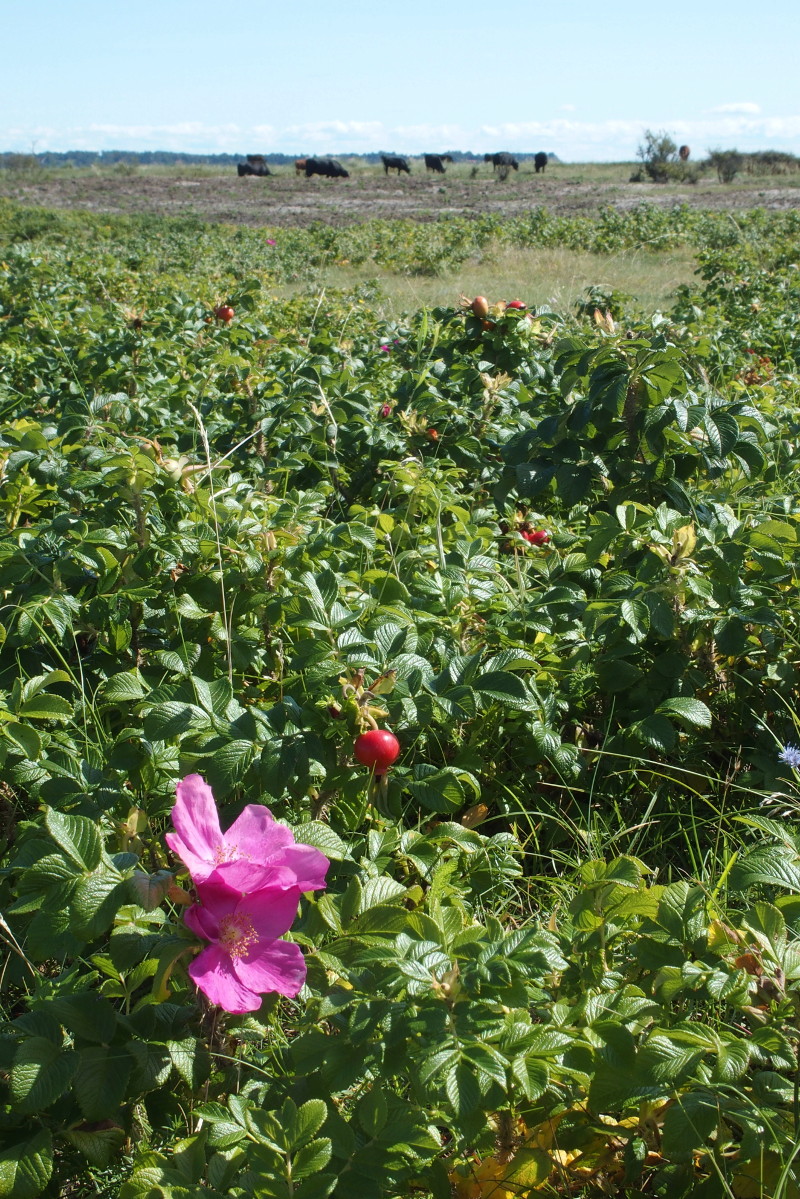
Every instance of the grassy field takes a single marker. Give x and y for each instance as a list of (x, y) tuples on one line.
[(555, 278), (284, 200)]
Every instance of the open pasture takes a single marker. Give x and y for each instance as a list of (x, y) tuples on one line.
[(285, 199), (251, 509)]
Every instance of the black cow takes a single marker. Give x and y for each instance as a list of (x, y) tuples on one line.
[(253, 168), (326, 166), (503, 159), (435, 162), (540, 161), (393, 162)]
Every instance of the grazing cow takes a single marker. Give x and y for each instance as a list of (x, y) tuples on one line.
[(503, 159), (326, 166), (299, 166), (393, 162), (540, 161), (435, 162), (253, 168), (684, 153)]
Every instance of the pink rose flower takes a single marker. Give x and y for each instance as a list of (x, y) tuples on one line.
[(255, 852), (249, 881), (244, 958)]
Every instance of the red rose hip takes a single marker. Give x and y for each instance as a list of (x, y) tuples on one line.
[(377, 749)]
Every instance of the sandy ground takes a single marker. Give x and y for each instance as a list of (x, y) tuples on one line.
[(287, 200)]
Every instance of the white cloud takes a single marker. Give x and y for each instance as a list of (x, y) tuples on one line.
[(741, 106), (568, 108), (573, 140)]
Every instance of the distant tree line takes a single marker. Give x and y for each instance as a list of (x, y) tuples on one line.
[(90, 158)]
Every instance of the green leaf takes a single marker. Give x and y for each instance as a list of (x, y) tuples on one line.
[(124, 687), (531, 1075), (373, 1112), (24, 738), (311, 1159), (507, 688), (98, 1145), (775, 865), (689, 1122), (636, 615), (76, 836), (149, 890), (101, 1080), (96, 900), (323, 838), (440, 791), (462, 1089), (228, 765), (26, 1168), (190, 1058), (304, 1122), (189, 1156), (771, 1042), (41, 1072), (46, 707), (87, 1015), (690, 711), (656, 732)]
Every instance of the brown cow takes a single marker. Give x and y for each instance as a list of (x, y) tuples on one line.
[(684, 153), (300, 166)]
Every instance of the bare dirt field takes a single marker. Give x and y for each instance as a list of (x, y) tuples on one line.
[(288, 200)]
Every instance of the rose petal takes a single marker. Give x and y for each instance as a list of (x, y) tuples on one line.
[(196, 822), (257, 836), (277, 967), (244, 877), (212, 972), (202, 922), (308, 865), (270, 910)]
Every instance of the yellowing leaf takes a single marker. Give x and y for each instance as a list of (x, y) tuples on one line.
[(683, 542)]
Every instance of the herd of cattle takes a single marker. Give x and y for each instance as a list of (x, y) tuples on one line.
[(503, 162)]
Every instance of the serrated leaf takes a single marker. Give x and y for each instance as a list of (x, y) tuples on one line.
[(98, 1145), (41, 1072), (323, 838), (311, 1158), (86, 1015), (191, 1060), (149, 890), (462, 1089), (689, 1121), (26, 1168), (77, 836), (690, 711), (46, 707), (101, 1080), (305, 1122), (96, 899), (373, 1112), (127, 686), (507, 688)]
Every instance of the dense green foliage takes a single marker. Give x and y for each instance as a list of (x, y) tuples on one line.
[(558, 946)]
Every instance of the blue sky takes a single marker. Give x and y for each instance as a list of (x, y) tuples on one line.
[(581, 79)]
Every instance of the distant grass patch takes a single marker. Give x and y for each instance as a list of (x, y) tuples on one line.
[(555, 277)]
